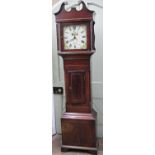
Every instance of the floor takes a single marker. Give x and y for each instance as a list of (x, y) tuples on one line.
[(56, 147)]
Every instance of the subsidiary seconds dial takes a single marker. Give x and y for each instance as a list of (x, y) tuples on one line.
[(75, 37)]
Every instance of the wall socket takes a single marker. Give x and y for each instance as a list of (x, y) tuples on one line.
[(58, 90)]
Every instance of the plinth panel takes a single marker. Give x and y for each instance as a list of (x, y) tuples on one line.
[(79, 131)]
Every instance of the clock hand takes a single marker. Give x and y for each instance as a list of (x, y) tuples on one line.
[(72, 39)]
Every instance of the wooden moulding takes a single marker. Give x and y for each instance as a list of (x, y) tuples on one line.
[(65, 148), (81, 116), (76, 54)]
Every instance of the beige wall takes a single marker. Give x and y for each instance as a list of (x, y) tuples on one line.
[(54, 1)]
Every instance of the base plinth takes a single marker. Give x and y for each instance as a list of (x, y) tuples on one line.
[(79, 131)]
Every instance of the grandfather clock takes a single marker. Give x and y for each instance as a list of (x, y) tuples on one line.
[(75, 42)]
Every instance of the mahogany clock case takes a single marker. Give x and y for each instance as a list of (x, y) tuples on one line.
[(78, 123)]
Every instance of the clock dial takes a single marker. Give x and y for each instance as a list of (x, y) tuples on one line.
[(75, 37)]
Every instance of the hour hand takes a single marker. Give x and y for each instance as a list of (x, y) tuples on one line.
[(73, 39)]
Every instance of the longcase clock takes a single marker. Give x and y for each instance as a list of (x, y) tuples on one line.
[(75, 42)]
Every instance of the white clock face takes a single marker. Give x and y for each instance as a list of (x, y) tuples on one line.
[(75, 37)]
